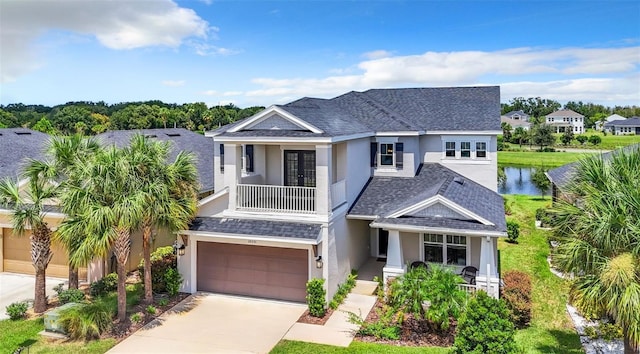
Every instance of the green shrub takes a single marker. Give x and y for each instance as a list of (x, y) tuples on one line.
[(69, 295), (316, 297), (343, 291), (136, 317), (507, 206), (582, 139), (105, 285), (162, 260), (513, 231), (595, 139), (380, 289), (163, 302), (590, 332), (516, 294), (151, 310), (17, 310), (408, 292), (388, 325), (87, 321), (173, 281), (610, 331), (485, 327)]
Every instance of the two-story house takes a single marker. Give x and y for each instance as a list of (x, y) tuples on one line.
[(318, 187), (566, 119), (516, 119)]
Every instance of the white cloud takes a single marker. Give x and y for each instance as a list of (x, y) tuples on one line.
[(377, 54), (115, 24), (209, 93), (205, 49), (232, 93), (173, 83), (596, 75)]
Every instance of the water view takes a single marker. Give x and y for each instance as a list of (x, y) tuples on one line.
[(518, 181)]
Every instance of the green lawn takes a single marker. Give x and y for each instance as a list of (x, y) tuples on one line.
[(609, 141), (551, 330), (286, 346), (14, 334), (536, 159)]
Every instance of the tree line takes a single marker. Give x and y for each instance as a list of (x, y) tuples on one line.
[(90, 118), (538, 107)]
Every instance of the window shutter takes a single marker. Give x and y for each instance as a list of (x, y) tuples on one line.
[(249, 154), (399, 155), (221, 157), (374, 154)]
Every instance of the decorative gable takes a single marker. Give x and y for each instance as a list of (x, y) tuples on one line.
[(274, 118), (437, 210), (275, 122)]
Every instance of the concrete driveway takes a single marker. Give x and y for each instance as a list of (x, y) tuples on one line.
[(21, 287), (212, 323)]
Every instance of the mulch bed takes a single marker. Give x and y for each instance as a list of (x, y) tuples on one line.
[(307, 318), (414, 332)]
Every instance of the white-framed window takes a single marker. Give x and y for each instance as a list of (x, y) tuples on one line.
[(386, 155), (447, 250), (465, 149), (481, 149), (450, 149)]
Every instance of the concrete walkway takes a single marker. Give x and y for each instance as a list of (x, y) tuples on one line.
[(21, 287), (212, 323), (338, 331)]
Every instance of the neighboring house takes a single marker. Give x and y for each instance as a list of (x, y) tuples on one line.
[(18, 145), (515, 123), (318, 187), (562, 176), (624, 126), (566, 119), (517, 115), (600, 126)]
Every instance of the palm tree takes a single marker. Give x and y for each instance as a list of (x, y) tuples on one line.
[(105, 202), (600, 240), (28, 212), (170, 189), (64, 152)]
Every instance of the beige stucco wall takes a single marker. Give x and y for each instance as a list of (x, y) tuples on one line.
[(410, 247)]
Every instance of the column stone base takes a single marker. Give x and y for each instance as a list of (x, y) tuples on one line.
[(392, 272)]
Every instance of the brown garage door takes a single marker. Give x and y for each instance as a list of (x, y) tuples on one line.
[(16, 257), (267, 272)]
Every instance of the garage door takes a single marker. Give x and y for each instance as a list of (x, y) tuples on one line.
[(17, 257), (267, 272)]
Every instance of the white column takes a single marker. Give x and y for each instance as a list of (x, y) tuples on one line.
[(232, 171), (395, 260), (487, 278), (323, 179)]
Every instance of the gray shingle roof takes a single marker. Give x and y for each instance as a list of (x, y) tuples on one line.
[(564, 113), (260, 228), (633, 121), (383, 196), (563, 175), (182, 139), (385, 110), (17, 145), (518, 113)]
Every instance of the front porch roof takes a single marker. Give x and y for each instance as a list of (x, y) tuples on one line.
[(397, 199), (438, 224), (257, 228)]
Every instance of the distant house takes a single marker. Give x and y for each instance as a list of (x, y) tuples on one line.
[(517, 115), (566, 119), (515, 123), (624, 126), (611, 118)]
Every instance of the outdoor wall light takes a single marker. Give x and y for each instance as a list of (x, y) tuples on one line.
[(319, 262), (181, 250)]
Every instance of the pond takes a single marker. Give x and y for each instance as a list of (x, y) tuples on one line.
[(518, 181)]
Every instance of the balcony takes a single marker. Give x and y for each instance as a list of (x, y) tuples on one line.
[(276, 199)]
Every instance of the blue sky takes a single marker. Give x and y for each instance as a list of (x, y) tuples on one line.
[(265, 52)]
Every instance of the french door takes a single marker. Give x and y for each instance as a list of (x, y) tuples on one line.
[(300, 168)]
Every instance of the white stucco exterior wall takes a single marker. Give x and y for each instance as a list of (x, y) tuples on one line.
[(358, 169)]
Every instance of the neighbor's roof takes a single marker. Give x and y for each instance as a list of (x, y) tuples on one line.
[(633, 121), (384, 196), (564, 113), (182, 139), (516, 113), (514, 122), (562, 176), (259, 228), (17, 145), (393, 110)]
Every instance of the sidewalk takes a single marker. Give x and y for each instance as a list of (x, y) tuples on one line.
[(338, 331)]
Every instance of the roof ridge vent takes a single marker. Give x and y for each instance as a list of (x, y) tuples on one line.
[(22, 133), (459, 180)]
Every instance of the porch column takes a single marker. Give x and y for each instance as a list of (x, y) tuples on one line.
[(323, 179), (487, 278), (232, 172), (395, 260)]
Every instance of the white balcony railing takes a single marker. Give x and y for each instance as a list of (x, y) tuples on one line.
[(276, 199), (338, 193), (469, 288)]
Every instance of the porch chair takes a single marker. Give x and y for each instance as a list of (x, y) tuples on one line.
[(468, 273), (419, 264)]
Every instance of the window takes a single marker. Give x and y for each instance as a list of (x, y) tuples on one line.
[(248, 154), (465, 149), (481, 149), (386, 154), (374, 154), (450, 149), (451, 248), (222, 158)]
